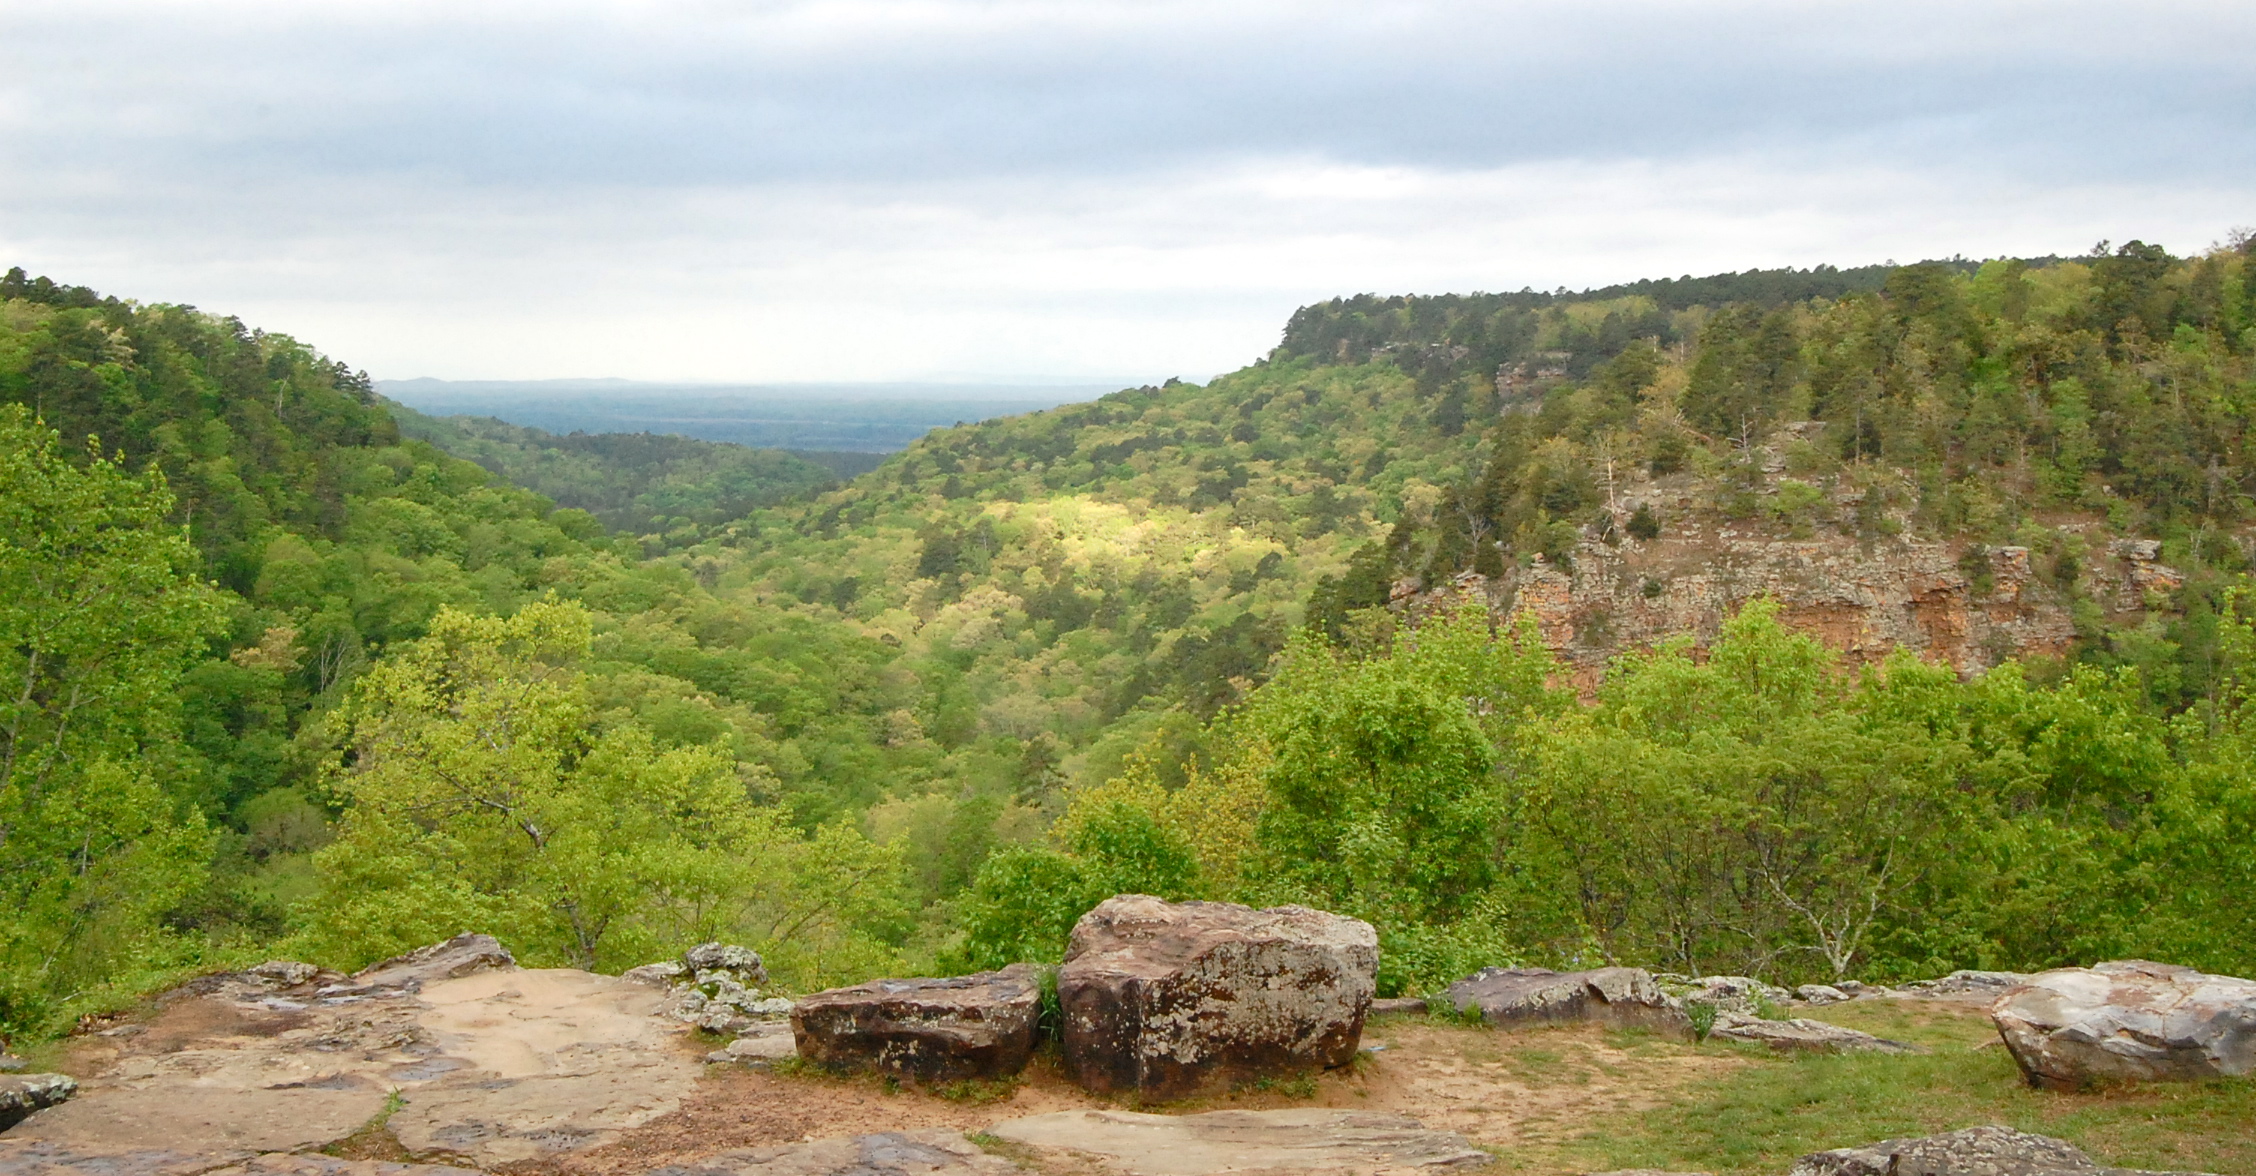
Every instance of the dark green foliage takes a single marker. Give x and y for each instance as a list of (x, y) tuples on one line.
[(640, 483)]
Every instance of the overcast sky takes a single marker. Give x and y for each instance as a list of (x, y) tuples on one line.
[(870, 189)]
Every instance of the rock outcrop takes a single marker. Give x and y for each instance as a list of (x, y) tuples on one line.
[(931, 1152), (1743, 995), (22, 1094), (497, 1064), (463, 955), (2128, 1020), (1165, 998), (944, 1030), (1968, 985), (1512, 998), (1298, 1141), (1976, 1151)]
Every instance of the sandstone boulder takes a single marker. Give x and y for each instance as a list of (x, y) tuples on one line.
[(1802, 1035), (1165, 998), (979, 1026), (930, 1152), (1514, 998), (24, 1093), (1976, 1151), (2128, 1020), (1820, 994), (1299, 1141)]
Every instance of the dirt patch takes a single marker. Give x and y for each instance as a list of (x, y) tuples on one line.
[(186, 1022), (1535, 1088), (1532, 1087)]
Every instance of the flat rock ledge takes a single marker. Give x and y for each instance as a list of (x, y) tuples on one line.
[(1975, 1151), (929, 1030), (1168, 998), (931, 1152), (1513, 998), (2128, 1020), (1349, 1143), (1802, 1035)]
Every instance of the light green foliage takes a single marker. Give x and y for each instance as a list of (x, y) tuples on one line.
[(100, 611), (481, 793)]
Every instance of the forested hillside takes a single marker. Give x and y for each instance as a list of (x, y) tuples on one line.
[(1163, 641), (669, 490)]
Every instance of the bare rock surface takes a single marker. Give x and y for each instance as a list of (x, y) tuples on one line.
[(1975, 1151), (1510, 998), (285, 1164), (1300, 1141), (43, 1158), (24, 1093), (1166, 998), (40, 1157), (930, 1030), (1398, 1006), (2129, 1020), (1802, 1035), (496, 1064), (930, 1152)]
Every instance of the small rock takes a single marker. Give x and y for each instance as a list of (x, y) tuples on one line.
[(659, 975), (1299, 1140), (1397, 1005), (287, 973), (721, 1018), (929, 1152), (1522, 997), (1163, 998), (25, 1093), (929, 1030), (742, 962), (766, 1043), (1820, 994), (1856, 988), (11, 1064), (1731, 994), (1976, 1151), (2129, 1020), (1801, 1035), (1967, 984), (774, 1006)]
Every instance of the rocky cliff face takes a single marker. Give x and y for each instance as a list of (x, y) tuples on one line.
[(1949, 601)]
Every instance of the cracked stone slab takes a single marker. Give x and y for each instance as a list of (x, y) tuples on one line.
[(494, 1064), (1349, 1143)]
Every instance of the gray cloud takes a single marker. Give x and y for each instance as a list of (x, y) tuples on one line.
[(1153, 174)]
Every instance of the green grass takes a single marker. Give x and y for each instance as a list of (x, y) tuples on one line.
[(1760, 1118)]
